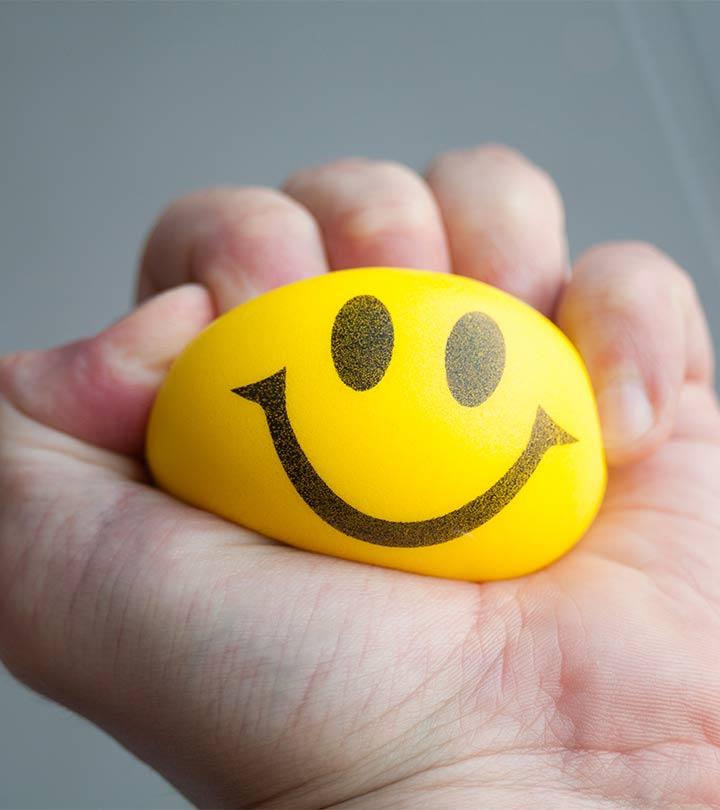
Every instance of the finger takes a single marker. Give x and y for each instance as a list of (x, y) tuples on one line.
[(504, 220), (373, 213), (636, 319), (236, 242), (101, 389)]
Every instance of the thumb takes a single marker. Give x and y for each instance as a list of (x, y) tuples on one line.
[(101, 389)]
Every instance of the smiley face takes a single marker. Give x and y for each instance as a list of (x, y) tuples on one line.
[(403, 418), (361, 345)]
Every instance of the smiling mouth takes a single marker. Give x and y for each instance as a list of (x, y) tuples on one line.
[(269, 394)]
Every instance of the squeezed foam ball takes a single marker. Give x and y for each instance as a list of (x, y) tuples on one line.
[(415, 420)]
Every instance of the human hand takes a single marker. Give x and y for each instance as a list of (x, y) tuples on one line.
[(253, 674)]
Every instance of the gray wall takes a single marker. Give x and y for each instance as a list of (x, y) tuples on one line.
[(109, 110)]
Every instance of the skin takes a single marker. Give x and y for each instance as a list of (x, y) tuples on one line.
[(251, 674)]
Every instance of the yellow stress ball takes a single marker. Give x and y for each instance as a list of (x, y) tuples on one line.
[(409, 419)]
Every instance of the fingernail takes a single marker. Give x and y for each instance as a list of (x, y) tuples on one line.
[(626, 414)]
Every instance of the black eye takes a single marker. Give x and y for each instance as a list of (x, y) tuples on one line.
[(474, 358), (362, 342)]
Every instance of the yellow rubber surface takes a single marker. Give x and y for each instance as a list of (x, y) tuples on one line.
[(415, 420)]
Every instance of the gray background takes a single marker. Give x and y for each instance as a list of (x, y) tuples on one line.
[(109, 110)]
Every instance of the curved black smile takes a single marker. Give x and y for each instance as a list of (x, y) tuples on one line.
[(269, 394)]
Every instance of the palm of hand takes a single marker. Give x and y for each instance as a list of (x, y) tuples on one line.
[(252, 673), (600, 666)]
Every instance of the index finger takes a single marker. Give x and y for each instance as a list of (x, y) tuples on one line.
[(237, 242)]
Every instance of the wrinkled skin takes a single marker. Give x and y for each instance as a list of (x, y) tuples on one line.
[(252, 674)]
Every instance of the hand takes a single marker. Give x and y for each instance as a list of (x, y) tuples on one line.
[(253, 674)]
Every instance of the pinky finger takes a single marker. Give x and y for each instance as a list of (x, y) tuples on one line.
[(635, 317)]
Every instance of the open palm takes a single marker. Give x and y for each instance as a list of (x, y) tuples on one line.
[(253, 674)]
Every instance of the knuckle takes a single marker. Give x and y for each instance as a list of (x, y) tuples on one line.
[(625, 293), (260, 217), (356, 173), (622, 253), (683, 281), (247, 199), (642, 249), (217, 202), (485, 153), (364, 199), (394, 173), (500, 189), (530, 198), (615, 308), (629, 272), (252, 220), (173, 211), (299, 180), (384, 218)]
